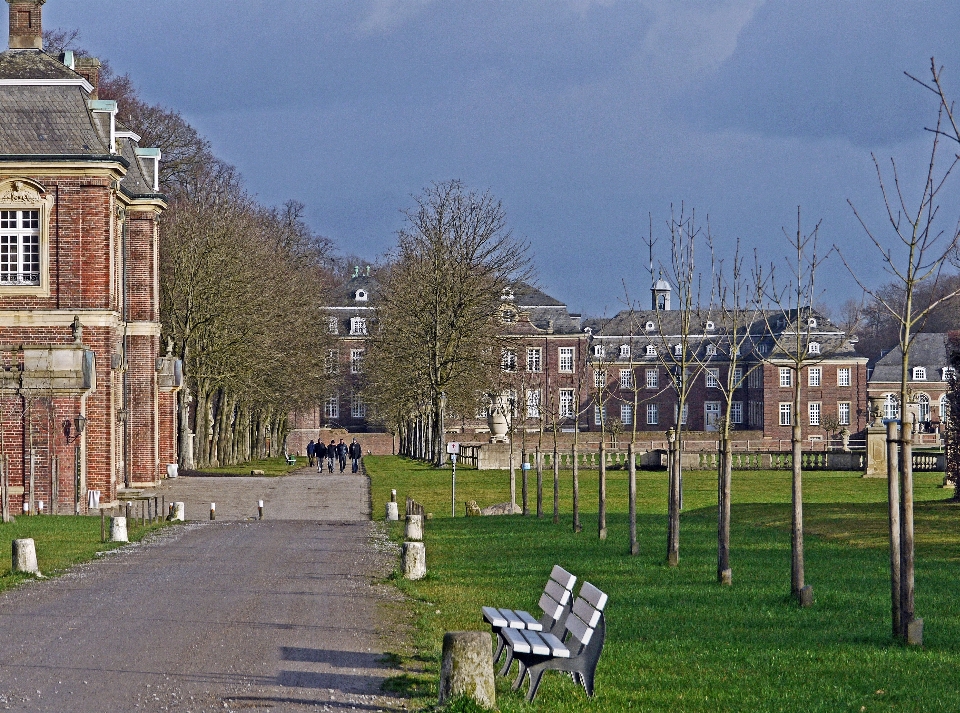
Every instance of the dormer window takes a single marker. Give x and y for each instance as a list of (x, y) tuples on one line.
[(813, 347), (624, 351), (508, 315), (678, 350), (946, 372), (710, 326), (651, 350), (650, 326), (919, 373), (811, 321), (599, 351), (763, 348), (711, 349), (360, 296), (332, 325)]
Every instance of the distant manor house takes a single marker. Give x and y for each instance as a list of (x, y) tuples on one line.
[(86, 396)]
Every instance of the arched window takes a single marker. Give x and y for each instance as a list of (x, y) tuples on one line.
[(891, 407), (944, 408), (923, 407), (919, 373)]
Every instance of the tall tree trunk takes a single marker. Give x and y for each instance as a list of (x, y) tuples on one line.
[(673, 502), (632, 498), (556, 483), (602, 513), (724, 478), (796, 525), (906, 524), (577, 527), (893, 503), (538, 457), (524, 490)]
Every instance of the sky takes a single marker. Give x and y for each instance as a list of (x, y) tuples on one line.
[(588, 119)]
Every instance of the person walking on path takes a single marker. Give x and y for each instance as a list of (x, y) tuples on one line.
[(355, 452), (320, 451), (342, 455), (310, 451), (331, 454)]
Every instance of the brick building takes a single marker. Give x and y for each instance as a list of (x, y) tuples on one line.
[(633, 362), (86, 397), (928, 378)]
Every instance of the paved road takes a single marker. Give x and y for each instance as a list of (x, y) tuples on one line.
[(278, 615)]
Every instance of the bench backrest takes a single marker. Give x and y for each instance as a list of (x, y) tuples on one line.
[(586, 613), (556, 595)]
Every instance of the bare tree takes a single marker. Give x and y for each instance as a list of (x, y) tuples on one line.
[(921, 247), (440, 301)]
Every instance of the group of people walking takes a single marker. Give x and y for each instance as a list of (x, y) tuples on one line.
[(320, 452)]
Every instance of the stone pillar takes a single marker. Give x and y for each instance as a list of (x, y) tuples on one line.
[(393, 511), (413, 531), (876, 452), (177, 512), (25, 556), (118, 529), (467, 667), (413, 559)]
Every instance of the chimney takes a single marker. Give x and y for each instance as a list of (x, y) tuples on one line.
[(89, 69), (26, 31)]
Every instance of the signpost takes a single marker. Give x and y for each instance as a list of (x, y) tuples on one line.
[(453, 448)]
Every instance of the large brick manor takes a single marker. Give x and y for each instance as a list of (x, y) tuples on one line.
[(86, 396)]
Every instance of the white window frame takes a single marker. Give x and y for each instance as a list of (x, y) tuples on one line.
[(599, 378), (358, 326), (755, 378), (533, 403), (711, 350), (843, 413), (843, 376), (786, 413), (919, 373), (814, 413), (653, 414), (332, 362), (624, 351), (565, 403), (626, 414), (333, 325), (331, 407), (599, 413), (813, 348), (21, 196), (626, 378), (736, 412), (652, 378), (891, 407), (566, 358), (712, 376), (686, 413), (815, 376), (358, 409), (535, 359), (786, 377), (651, 350), (508, 360), (356, 361)]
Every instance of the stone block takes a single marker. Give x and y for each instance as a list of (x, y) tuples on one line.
[(177, 512), (413, 530), (502, 509), (467, 668), (257, 472), (915, 633), (472, 509), (393, 511), (805, 598), (413, 560), (118, 529), (25, 556), (726, 577)]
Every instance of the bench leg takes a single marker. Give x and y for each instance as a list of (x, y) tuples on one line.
[(522, 672), (508, 661), (535, 676), (501, 645)]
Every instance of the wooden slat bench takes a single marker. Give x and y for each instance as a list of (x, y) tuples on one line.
[(291, 460), (577, 650), (554, 602)]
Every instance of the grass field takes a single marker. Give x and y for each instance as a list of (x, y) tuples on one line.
[(62, 541), (271, 467), (676, 640)]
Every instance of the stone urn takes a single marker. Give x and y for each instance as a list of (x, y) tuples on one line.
[(499, 425), (845, 439)]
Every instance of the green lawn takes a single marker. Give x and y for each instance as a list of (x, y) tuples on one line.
[(676, 640), (271, 467), (62, 541)]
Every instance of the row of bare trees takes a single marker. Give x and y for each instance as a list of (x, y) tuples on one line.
[(242, 285)]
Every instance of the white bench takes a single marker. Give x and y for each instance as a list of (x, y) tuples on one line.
[(577, 650), (554, 602)]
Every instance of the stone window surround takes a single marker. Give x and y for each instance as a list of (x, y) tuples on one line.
[(23, 194)]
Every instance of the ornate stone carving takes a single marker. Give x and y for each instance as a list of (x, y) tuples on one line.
[(19, 193)]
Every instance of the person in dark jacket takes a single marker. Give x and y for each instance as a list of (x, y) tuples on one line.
[(310, 451), (320, 451), (355, 452), (342, 455), (331, 454)]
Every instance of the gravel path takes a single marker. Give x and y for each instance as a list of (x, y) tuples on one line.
[(278, 615)]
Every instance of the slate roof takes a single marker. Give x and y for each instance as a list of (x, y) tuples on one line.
[(928, 350), (137, 183), (33, 64), (344, 295), (47, 120)]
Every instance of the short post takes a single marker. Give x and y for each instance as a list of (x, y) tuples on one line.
[(393, 496), (467, 667), (118, 529), (26, 508), (40, 507), (413, 529), (128, 514), (25, 556), (213, 511), (103, 530), (393, 511), (259, 509), (177, 511), (413, 558), (453, 486)]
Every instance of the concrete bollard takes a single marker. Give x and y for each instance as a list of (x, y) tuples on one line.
[(413, 530), (25, 556), (213, 511), (259, 509), (176, 512), (467, 667), (393, 511), (118, 529), (413, 558), (393, 496), (806, 597)]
